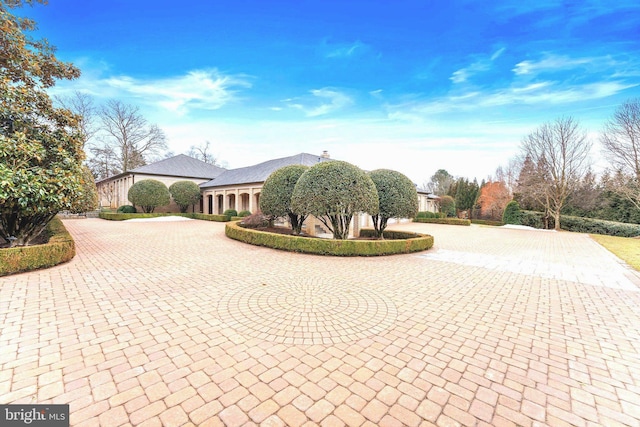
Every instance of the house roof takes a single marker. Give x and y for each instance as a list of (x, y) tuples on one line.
[(427, 193), (180, 166), (261, 171)]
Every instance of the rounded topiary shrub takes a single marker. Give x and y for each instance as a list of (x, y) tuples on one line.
[(149, 193), (397, 198), (448, 206), (244, 213), (275, 199), (230, 212), (512, 213), (333, 192), (127, 209), (185, 194)]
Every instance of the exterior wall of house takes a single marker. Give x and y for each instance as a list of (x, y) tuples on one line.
[(243, 197), (426, 203), (113, 192)]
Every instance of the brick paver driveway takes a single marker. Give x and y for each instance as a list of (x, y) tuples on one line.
[(170, 323)]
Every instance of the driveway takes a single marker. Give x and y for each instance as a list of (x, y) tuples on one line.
[(171, 323)]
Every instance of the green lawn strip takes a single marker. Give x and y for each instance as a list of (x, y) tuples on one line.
[(625, 248)]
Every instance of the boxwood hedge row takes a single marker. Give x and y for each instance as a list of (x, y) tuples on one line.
[(124, 216), (582, 225), (450, 221), (60, 248), (410, 242)]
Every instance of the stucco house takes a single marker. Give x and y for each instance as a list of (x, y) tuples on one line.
[(240, 188), (223, 189), (113, 191)]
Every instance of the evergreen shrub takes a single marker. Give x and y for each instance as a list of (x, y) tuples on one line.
[(512, 213), (127, 209)]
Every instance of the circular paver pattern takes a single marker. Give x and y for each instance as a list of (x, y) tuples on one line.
[(307, 312)]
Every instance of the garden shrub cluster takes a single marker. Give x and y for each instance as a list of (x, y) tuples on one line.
[(582, 225), (230, 212), (338, 247), (243, 214), (60, 248)]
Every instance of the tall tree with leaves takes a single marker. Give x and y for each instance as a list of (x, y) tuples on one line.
[(466, 195), (40, 145), (560, 152), (440, 182), (127, 136)]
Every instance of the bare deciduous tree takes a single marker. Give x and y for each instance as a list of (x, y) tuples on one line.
[(201, 152), (621, 145), (82, 105), (128, 134), (560, 152)]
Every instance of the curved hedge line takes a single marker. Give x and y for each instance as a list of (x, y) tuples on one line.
[(60, 248), (411, 242), (449, 221), (124, 216)]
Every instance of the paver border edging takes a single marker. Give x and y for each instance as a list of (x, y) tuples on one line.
[(60, 248), (406, 243)]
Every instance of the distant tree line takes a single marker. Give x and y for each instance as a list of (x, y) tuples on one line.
[(552, 174)]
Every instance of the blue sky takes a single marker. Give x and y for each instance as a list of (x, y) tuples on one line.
[(411, 85)]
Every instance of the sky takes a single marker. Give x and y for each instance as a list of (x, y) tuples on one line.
[(413, 86)]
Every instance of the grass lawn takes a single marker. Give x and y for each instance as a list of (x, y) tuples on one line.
[(625, 248)]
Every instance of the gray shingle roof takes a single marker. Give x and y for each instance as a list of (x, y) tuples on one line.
[(181, 165), (261, 171)]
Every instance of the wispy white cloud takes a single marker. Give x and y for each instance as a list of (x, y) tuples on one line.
[(550, 62), (344, 50), (536, 94), (195, 90), (332, 101), (481, 64), (200, 89), (497, 53)]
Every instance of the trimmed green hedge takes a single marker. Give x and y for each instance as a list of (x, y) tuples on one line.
[(487, 222), (450, 221), (411, 242), (582, 225), (427, 214), (60, 248), (121, 216)]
